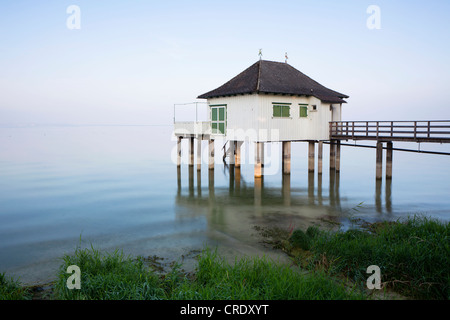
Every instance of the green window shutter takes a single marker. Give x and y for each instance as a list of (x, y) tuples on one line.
[(277, 111), (285, 112), (214, 127), (222, 128), (214, 114), (221, 114), (303, 111)]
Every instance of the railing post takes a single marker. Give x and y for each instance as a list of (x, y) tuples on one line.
[(429, 129), (392, 128), (378, 124), (415, 129), (367, 128), (353, 129)]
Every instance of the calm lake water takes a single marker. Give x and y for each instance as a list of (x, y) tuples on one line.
[(118, 187)]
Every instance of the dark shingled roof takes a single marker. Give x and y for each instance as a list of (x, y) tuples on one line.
[(276, 78)]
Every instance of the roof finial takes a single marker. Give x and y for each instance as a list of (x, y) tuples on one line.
[(286, 56), (260, 54)]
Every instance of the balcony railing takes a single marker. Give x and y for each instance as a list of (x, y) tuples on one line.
[(418, 131)]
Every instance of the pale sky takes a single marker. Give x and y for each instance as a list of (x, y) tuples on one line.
[(132, 60)]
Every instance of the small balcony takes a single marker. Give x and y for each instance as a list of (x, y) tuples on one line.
[(192, 128)]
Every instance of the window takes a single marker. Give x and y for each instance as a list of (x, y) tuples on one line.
[(218, 119), (303, 110), (281, 110)]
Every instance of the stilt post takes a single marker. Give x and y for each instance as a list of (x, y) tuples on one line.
[(311, 156), (389, 160), (211, 154), (286, 161), (319, 157), (379, 162)]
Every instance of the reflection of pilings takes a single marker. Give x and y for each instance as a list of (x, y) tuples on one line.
[(331, 189), (286, 189), (337, 182), (388, 195), (311, 187), (199, 183), (211, 183), (191, 181), (231, 170), (237, 180), (258, 191), (378, 204), (178, 180), (319, 189)]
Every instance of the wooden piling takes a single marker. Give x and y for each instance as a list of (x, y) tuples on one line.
[(332, 154), (258, 159), (286, 161), (389, 160), (179, 151), (311, 156), (319, 157), (262, 154), (178, 180), (237, 161), (199, 153), (338, 156), (232, 158), (379, 161), (211, 154), (191, 151)]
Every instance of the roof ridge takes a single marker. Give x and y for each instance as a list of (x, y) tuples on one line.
[(258, 81)]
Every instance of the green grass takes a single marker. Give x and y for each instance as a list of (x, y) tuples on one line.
[(109, 276), (10, 289), (113, 277), (259, 278), (413, 255)]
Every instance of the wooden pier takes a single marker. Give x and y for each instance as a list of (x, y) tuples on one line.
[(422, 131)]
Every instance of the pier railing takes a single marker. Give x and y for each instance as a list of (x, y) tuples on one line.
[(414, 131)]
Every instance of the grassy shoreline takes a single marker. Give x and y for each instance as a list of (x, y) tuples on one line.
[(413, 256)]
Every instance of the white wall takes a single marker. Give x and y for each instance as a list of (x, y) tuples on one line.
[(251, 117)]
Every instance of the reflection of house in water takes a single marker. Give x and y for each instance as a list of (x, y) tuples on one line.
[(238, 206)]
